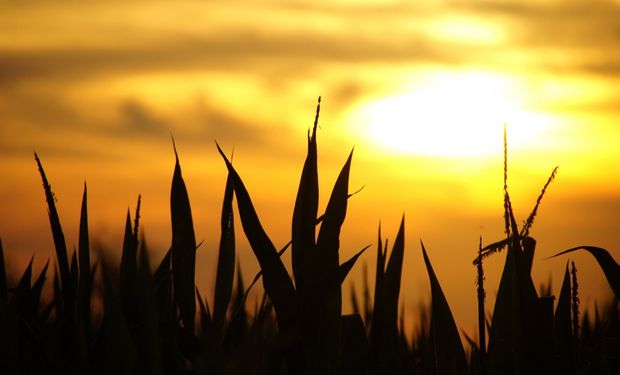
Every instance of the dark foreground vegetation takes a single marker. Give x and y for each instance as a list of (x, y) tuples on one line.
[(108, 320)]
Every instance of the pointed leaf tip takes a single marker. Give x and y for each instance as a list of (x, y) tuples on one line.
[(316, 120), (174, 147)]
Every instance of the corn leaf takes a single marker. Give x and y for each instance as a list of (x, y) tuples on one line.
[(610, 268), (447, 354), (514, 316), (129, 266), (225, 263), (84, 284), (377, 327), (305, 212), (392, 276), (384, 338), (328, 241), (346, 267), (563, 327), (68, 289), (183, 248)]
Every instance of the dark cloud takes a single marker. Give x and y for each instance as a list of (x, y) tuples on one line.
[(137, 120), (241, 51), (56, 118)]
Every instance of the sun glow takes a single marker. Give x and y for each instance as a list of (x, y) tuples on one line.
[(451, 115)]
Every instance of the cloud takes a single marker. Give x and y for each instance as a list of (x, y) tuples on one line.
[(137, 120), (577, 24), (232, 52)]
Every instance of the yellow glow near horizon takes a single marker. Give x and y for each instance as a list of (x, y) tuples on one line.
[(459, 114), (466, 30)]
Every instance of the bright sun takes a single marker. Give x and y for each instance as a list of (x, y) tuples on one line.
[(458, 114)]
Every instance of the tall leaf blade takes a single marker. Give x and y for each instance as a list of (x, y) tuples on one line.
[(225, 262), (68, 289), (392, 277), (384, 330), (128, 272), (563, 327), (328, 241), (183, 248), (84, 297), (377, 328), (305, 211), (447, 354), (321, 306)]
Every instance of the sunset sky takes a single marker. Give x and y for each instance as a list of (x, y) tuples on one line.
[(421, 89)]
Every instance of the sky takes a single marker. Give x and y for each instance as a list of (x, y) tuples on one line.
[(420, 89)]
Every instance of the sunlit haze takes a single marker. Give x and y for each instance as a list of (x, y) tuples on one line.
[(421, 90)]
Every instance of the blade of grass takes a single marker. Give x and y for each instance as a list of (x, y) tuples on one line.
[(392, 277), (305, 211), (225, 263), (376, 329), (448, 356), (328, 240), (84, 286), (183, 248), (129, 267), (563, 328), (346, 267), (384, 337), (68, 289)]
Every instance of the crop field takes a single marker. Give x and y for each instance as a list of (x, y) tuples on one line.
[(102, 319)]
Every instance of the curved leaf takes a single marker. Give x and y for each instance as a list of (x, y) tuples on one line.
[(610, 267)]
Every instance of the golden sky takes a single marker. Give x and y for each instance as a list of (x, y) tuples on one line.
[(421, 89)]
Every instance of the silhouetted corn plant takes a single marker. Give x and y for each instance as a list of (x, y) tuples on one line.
[(103, 319)]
